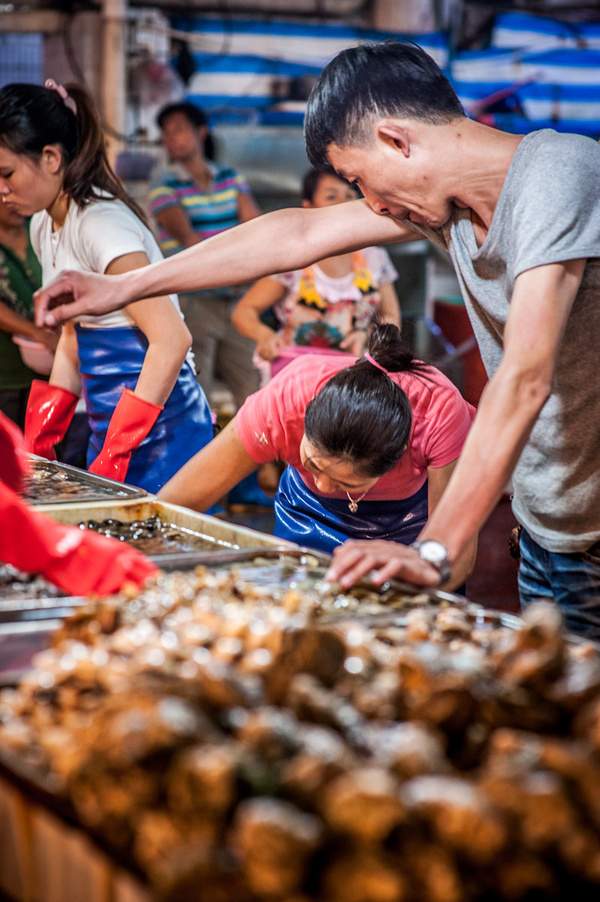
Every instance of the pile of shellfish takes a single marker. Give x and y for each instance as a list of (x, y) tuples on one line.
[(232, 747)]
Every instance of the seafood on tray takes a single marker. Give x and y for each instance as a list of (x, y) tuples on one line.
[(153, 536), (229, 746)]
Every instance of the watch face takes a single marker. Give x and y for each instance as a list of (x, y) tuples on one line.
[(433, 551)]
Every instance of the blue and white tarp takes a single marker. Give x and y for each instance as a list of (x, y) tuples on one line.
[(244, 67), (543, 84), (517, 29), (536, 72)]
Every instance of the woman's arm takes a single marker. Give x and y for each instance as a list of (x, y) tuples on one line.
[(275, 242), (65, 369), (169, 339), (262, 296), (211, 473), (389, 310), (15, 324)]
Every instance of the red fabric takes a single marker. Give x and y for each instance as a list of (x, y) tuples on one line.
[(270, 423), (14, 461), (50, 410), (132, 420), (79, 561)]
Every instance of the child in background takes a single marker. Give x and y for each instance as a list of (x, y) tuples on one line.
[(326, 307)]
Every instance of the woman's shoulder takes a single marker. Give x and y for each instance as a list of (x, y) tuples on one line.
[(427, 385), (107, 213)]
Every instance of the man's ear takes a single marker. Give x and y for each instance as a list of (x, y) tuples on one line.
[(392, 133)]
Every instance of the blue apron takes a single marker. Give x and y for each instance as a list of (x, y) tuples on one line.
[(323, 523), (110, 361)]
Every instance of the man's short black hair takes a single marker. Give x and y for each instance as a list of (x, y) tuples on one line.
[(388, 78)]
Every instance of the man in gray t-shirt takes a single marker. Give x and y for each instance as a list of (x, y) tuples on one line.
[(520, 217)]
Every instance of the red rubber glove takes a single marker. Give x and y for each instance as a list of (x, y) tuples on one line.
[(132, 420), (50, 410), (79, 561), (14, 460)]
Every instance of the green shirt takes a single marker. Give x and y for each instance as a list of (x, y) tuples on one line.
[(18, 281)]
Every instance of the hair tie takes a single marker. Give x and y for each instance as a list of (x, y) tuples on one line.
[(378, 365), (63, 94)]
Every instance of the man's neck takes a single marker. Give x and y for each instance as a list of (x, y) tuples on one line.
[(488, 154)]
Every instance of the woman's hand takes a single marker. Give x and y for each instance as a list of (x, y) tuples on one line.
[(355, 342)]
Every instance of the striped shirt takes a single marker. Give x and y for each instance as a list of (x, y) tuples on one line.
[(209, 212)]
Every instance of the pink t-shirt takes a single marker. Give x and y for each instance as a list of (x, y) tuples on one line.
[(270, 423)]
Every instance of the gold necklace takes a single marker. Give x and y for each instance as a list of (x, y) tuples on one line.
[(353, 502), (54, 248)]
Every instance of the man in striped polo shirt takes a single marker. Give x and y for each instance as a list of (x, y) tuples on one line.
[(192, 199)]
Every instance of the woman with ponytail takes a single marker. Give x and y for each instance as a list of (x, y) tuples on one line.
[(147, 413), (370, 447)]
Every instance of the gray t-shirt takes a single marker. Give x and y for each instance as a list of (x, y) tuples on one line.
[(548, 212)]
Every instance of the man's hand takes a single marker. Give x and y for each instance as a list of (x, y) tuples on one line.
[(74, 294), (382, 560)]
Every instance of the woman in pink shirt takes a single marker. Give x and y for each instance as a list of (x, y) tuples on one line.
[(370, 446)]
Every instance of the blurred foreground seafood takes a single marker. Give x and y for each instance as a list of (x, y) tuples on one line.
[(230, 747)]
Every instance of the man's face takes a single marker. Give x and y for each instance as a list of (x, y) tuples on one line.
[(401, 184), (181, 139)]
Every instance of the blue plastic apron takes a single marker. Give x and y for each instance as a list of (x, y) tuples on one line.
[(323, 523), (110, 361)]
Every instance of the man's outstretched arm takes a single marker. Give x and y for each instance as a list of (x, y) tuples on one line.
[(276, 242)]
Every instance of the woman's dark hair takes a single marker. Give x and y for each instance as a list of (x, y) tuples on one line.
[(195, 116), (387, 78), (31, 117), (311, 180), (360, 414)]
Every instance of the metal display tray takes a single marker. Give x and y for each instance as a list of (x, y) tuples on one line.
[(222, 534), (92, 488)]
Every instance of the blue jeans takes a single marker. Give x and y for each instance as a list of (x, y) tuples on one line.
[(572, 580)]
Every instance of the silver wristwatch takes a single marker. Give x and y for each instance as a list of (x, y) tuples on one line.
[(436, 554)]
